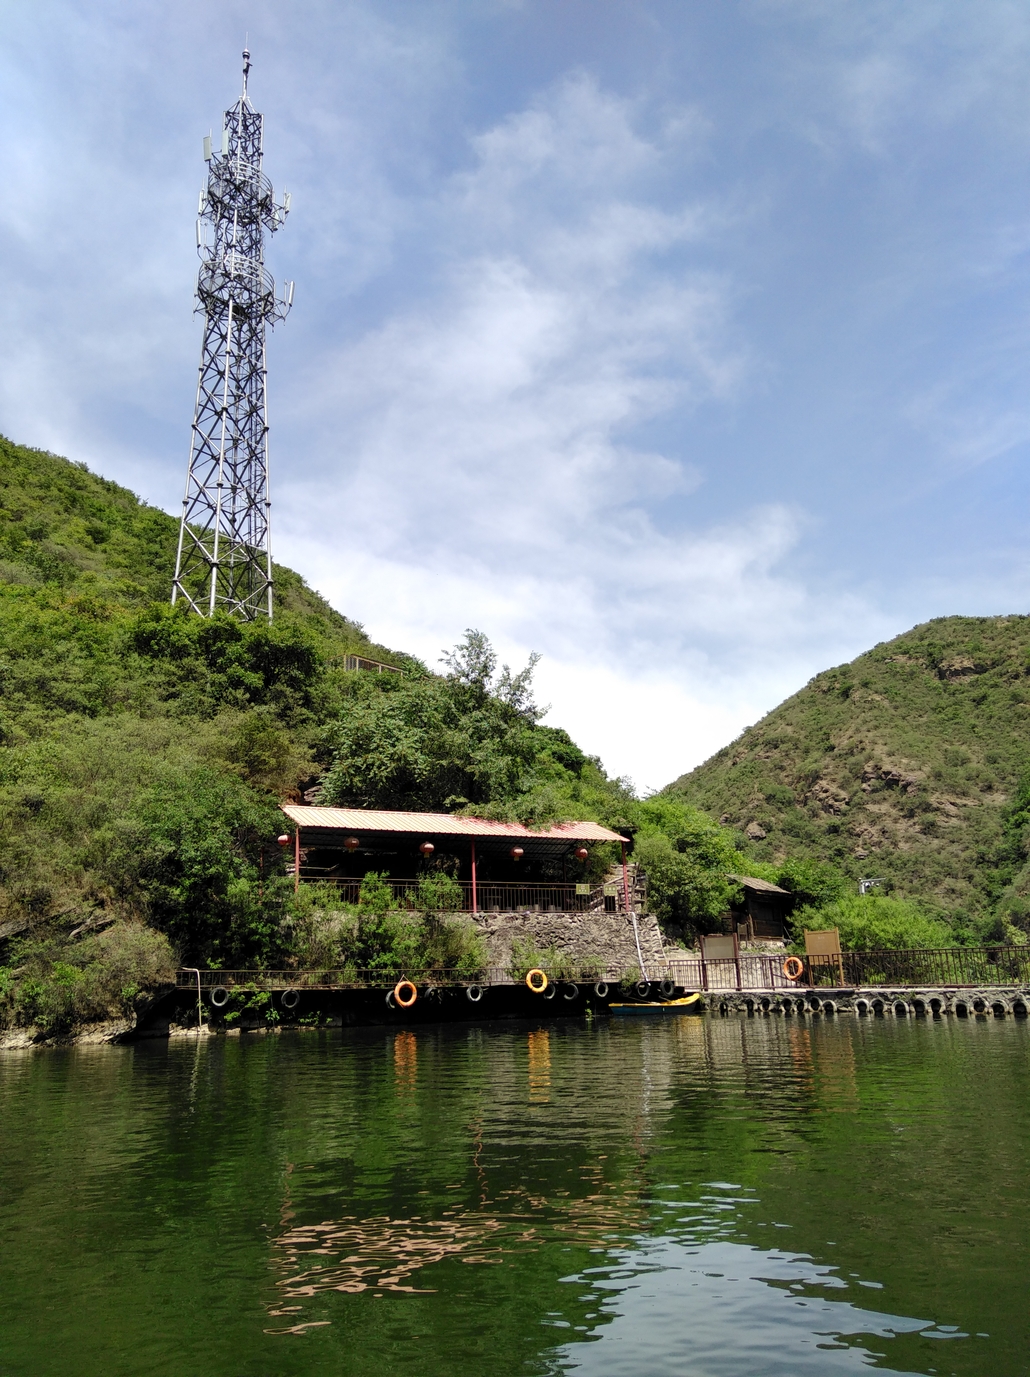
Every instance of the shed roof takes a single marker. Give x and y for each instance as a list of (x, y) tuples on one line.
[(442, 824), (761, 886)]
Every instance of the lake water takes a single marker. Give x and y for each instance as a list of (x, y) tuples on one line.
[(693, 1197)]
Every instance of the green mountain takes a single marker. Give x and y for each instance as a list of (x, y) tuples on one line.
[(907, 764), (144, 752), (69, 538)]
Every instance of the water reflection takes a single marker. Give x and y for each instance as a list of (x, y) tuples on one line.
[(539, 1048), (405, 1062), (720, 1309), (703, 1196)]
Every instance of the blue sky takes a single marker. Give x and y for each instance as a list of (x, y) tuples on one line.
[(685, 343)]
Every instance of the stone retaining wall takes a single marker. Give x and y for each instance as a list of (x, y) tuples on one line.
[(604, 937), (989, 1001)]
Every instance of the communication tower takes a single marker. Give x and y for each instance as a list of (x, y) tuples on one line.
[(224, 558)]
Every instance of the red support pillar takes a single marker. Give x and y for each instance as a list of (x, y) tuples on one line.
[(296, 860), (625, 878), (475, 908)]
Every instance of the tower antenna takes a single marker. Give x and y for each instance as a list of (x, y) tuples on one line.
[(224, 559)]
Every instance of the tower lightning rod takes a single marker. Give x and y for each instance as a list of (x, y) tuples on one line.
[(224, 558)]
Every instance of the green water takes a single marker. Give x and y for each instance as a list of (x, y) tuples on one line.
[(691, 1197)]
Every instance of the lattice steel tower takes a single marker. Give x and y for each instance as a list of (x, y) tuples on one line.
[(224, 557)]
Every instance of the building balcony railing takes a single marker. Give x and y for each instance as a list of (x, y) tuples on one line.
[(495, 896)]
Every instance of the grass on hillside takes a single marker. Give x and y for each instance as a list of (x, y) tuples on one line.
[(144, 752), (906, 763)]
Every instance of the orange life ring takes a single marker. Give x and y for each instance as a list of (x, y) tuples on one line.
[(793, 968), (401, 1001), (537, 980)]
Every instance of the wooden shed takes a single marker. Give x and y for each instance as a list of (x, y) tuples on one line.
[(764, 912)]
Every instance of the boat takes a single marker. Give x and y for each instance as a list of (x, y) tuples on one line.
[(687, 1004)]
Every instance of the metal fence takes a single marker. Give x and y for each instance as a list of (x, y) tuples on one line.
[(347, 978), (940, 966), (504, 896), (747, 972), (951, 966), (948, 966)]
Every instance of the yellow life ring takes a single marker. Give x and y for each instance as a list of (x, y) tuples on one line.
[(793, 968), (406, 986), (537, 980)]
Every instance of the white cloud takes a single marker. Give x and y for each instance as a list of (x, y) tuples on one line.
[(472, 458), (535, 380), (868, 72)]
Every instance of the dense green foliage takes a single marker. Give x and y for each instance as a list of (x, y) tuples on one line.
[(875, 922), (373, 936), (906, 764), (144, 752)]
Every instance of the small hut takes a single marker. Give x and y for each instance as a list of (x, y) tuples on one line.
[(764, 912)]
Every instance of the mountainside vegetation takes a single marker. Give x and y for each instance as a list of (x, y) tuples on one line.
[(908, 764), (144, 752)]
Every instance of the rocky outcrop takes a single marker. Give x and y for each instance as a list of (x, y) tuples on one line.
[(828, 796), (899, 779)]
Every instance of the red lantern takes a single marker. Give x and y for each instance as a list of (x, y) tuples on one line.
[(427, 849), (351, 843), (284, 840), (581, 853), (516, 853)]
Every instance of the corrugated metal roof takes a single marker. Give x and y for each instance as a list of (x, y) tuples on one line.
[(442, 824), (762, 886)]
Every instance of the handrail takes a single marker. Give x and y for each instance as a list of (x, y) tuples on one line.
[(985, 966), (500, 896)]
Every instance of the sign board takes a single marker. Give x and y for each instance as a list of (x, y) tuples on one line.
[(822, 947), (583, 889), (719, 948), (822, 942), (611, 891)]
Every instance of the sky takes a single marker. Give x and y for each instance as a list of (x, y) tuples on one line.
[(683, 343)]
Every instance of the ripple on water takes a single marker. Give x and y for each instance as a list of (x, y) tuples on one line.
[(703, 1197)]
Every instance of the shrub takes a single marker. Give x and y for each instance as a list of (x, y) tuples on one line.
[(439, 893), (450, 945), (375, 894), (248, 999), (323, 929), (191, 851), (100, 977), (875, 922), (682, 886), (527, 956)]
